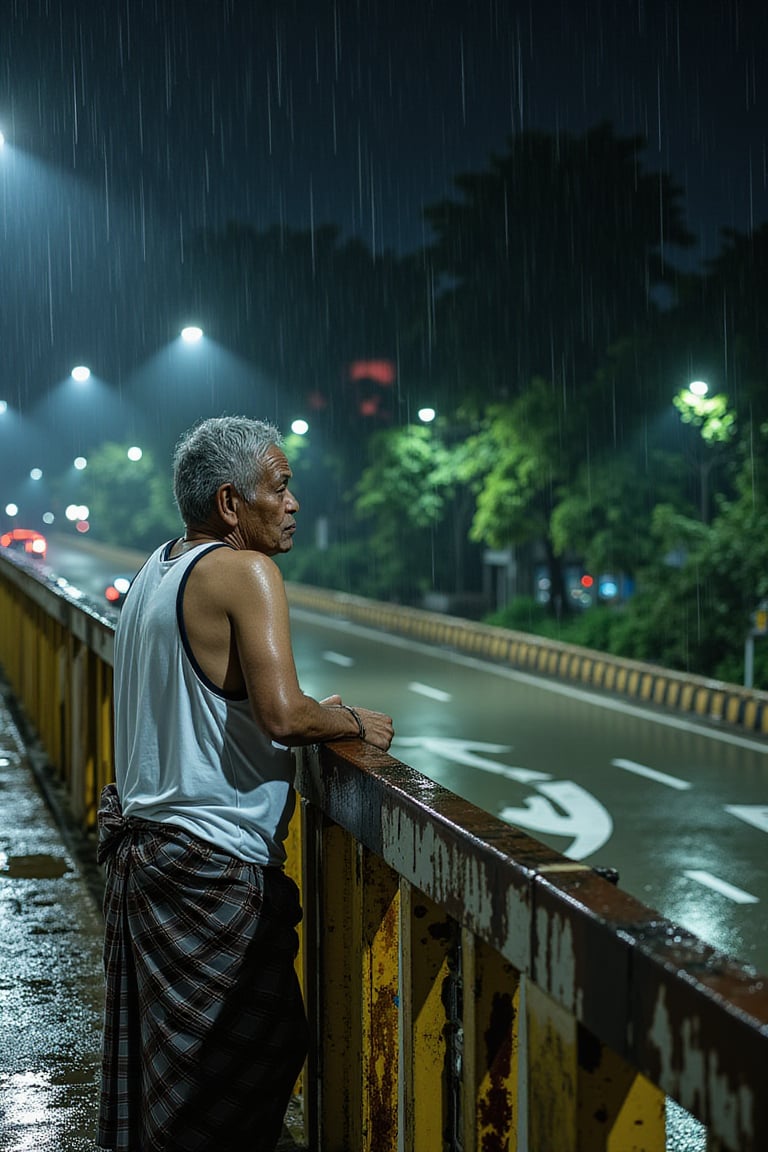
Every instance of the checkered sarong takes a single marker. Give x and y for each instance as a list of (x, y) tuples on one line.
[(204, 1030)]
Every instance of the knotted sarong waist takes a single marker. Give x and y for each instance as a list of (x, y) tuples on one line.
[(113, 825)]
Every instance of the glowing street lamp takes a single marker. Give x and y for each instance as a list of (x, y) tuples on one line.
[(698, 387), (80, 373), (36, 474), (426, 415), (191, 334), (80, 463), (134, 453), (300, 427)]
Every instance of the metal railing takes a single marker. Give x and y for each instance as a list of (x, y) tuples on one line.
[(468, 988)]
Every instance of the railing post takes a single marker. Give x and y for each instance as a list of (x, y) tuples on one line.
[(490, 1048), (338, 1018), (551, 1072), (429, 941), (618, 1109), (380, 1009)]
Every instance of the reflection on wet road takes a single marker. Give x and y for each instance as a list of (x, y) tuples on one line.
[(679, 808)]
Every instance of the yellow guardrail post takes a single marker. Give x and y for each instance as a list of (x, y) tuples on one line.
[(429, 941), (618, 1110), (491, 1037), (380, 909)]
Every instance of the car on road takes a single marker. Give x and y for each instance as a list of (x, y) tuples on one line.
[(26, 540), (116, 592)]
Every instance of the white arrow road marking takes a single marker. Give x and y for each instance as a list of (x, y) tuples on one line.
[(338, 658), (465, 752), (584, 817), (754, 814), (651, 774), (426, 690), (738, 895)]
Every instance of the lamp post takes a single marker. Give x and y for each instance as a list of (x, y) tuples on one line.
[(716, 425)]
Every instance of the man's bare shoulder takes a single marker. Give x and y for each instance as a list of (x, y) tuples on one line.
[(232, 575)]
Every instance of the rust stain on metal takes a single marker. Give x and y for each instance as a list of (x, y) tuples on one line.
[(495, 1106)]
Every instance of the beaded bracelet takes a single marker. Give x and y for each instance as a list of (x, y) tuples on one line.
[(356, 714)]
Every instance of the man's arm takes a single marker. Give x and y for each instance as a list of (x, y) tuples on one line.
[(258, 610)]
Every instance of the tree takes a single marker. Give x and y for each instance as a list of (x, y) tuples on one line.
[(550, 256), (519, 463), (405, 494), (130, 501)]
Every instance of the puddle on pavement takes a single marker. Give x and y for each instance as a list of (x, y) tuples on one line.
[(38, 866)]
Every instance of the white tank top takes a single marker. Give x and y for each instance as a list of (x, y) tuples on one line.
[(186, 752)]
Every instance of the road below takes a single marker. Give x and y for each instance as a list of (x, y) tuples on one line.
[(680, 808)]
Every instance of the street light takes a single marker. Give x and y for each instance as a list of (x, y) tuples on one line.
[(134, 453), (191, 334), (426, 415), (716, 425), (80, 373), (300, 427)]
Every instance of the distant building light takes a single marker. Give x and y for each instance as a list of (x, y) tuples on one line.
[(191, 334), (48, 517), (80, 373), (380, 371), (36, 474), (426, 415), (300, 427), (135, 453), (80, 463), (11, 509)]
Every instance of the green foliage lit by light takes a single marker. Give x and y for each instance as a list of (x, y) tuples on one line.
[(710, 414)]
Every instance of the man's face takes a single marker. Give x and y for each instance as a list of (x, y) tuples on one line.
[(269, 520)]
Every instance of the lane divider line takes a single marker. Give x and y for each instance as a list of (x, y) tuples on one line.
[(651, 774), (737, 895), (338, 658), (427, 690)]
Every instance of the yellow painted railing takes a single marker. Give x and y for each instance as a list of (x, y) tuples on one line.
[(468, 988)]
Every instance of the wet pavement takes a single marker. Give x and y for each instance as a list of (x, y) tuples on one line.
[(51, 990)]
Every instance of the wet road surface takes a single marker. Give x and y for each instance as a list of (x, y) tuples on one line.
[(50, 970)]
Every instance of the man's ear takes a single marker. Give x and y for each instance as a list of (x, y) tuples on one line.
[(228, 504)]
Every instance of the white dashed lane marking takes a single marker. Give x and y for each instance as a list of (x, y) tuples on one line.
[(737, 895), (427, 690), (338, 658), (651, 774)]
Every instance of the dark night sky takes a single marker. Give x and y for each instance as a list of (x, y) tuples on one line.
[(132, 123)]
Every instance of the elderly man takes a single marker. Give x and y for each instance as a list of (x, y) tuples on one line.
[(205, 1031)]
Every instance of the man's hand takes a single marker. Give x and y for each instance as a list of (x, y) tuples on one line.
[(379, 729)]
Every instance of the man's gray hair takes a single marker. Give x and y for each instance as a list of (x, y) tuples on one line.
[(220, 450)]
